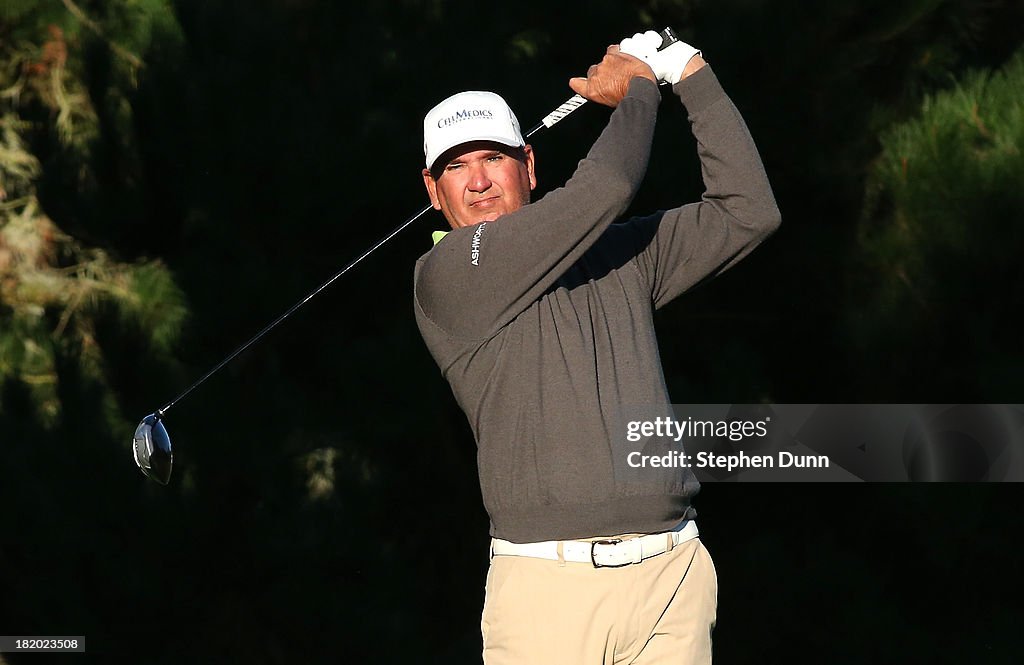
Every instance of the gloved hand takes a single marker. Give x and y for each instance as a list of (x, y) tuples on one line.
[(668, 64)]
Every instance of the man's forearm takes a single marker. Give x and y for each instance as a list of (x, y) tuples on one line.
[(737, 211), (734, 176)]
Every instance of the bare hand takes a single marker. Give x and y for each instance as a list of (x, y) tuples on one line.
[(607, 82)]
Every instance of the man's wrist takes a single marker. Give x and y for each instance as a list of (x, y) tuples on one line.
[(700, 90), (695, 64), (644, 88)]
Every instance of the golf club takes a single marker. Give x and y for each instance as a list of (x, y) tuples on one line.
[(152, 445)]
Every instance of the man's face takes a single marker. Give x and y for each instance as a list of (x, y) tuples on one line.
[(480, 181)]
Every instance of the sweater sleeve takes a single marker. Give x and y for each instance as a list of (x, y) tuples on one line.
[(736, 212), (479, 278)]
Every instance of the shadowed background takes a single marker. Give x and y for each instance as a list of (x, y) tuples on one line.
[(176, 174)]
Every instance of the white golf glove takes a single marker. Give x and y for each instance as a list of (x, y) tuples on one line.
[(668, 64)]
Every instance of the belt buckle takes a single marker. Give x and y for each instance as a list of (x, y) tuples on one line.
[(612, 541)]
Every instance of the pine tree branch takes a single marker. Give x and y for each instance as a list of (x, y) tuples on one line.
[(77, 12)]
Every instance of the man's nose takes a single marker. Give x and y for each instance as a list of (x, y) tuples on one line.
[(478, 180)]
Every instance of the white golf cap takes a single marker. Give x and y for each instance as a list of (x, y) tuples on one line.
[(469, 116)]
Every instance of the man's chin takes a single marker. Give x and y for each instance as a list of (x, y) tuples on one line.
[(479, 219), (483, 216)]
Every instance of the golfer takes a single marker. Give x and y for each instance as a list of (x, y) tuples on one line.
[(540, 317)]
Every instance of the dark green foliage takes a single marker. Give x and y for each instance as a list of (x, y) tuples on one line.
[(942, 233)]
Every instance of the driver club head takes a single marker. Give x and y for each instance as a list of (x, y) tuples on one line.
[(152, 449)]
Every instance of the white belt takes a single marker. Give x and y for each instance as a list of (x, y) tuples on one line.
[(610, 553)]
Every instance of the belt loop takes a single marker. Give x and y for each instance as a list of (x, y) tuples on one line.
[(559, 548), (670, 542)]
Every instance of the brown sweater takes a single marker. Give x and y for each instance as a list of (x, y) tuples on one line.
[(541, 321)]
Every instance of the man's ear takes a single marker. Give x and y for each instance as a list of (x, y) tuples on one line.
[(431, 185), (531, 164)]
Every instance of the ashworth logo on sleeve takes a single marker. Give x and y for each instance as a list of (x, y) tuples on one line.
[(474, 252), (465, 114)]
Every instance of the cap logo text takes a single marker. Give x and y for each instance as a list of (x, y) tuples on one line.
[(464, 114)]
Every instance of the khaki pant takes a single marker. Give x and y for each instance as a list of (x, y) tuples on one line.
[(659, 611)]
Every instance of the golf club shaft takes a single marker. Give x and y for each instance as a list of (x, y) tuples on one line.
[(558, 114), (255, 338)]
